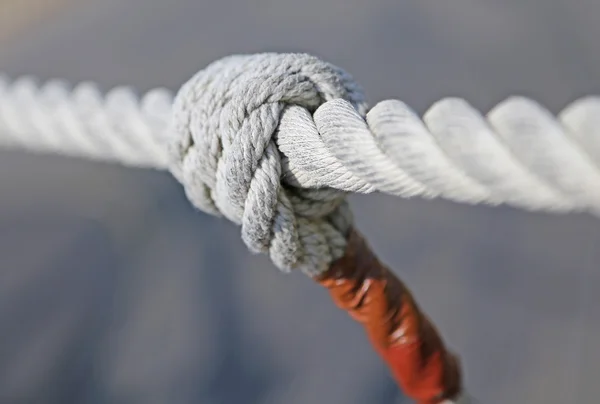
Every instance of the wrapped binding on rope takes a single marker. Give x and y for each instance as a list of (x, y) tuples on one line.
[(398, 330)]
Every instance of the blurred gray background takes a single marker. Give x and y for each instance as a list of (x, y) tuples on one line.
[(114, 290)]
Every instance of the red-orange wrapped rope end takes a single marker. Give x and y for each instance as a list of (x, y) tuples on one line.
[(402, 335)]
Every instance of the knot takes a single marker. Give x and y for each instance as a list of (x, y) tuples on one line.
[(226, 120)]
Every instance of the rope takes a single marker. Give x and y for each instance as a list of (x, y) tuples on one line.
[(82, 122), (274, 142)]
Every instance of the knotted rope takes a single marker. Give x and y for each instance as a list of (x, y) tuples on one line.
[(518, 155), (226, 121), (274, 143)]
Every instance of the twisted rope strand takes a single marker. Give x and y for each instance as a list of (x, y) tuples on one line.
[(519, 155), (82, 122)]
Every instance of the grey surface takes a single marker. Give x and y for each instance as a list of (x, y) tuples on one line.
[(112, 289)]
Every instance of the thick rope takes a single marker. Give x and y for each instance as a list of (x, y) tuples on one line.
[(83, 122), (274, 142)]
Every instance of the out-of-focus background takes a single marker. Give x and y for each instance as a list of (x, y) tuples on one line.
[(114, 290)]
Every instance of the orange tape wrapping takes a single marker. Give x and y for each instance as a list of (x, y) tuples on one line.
[(398, 330)]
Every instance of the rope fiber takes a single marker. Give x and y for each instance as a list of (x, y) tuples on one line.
[(274, 142)]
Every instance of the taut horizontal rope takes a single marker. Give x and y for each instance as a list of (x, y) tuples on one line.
[(274, 142), (519, 154), (83, 122)]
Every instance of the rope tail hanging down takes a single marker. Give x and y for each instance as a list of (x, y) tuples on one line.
[(400, 333), (274, 142)]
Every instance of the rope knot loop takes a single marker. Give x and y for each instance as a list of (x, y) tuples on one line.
[(224, 152)]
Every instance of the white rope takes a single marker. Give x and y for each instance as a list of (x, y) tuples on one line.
[(83, 122), (246, 123), (519, 155), (274, 143)]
